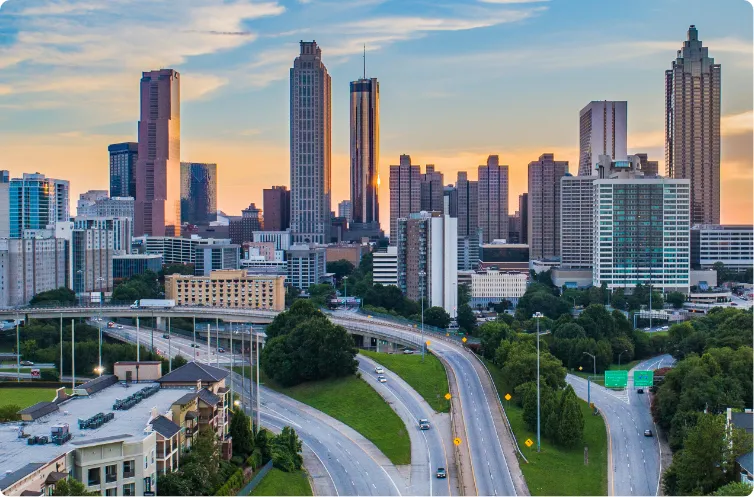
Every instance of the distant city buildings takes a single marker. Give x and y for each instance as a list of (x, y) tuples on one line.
[(733, 245), (523, 213), (577, 221), (198, 192), (432, 190), (544, 206), (4, 204), (123, 159), (385, 266), (35, 202), (281, 239), (493, 200), (365, 155), (214, 257), (31, 266), (603, 130), (277, 208), (468, 205), (492, 287), (121, 228), (307, 265), (92, 252), (405, 193), (242, 229), (344, 209), (648, 167), (504, 257), (129, 265)]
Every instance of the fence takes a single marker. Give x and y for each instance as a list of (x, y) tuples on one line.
[(257, 479)]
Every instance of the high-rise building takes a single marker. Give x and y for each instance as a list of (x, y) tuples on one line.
[(576, 221), (277, 208), (92, 260), (345, 209), (281, 239), (31, 266), (385, 266), (523, 212), (120, 226), (198, 192), (105, 206), (405, 193), (432, 190), (648, 167), (514, 228), (493, 200), (468, 251), (310, 146), (4, 204), (468, 201), (36, 202), (123, 159), (603, 130), (544, 206), (365, 154), (242, 230), (158, 168), (692, 126), (450, 201)]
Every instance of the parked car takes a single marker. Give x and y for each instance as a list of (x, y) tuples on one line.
[(423, 424), (441, 473), (120, 326), (221, 350), (647, 433), (408, 351), (379, 370), (382, 379)]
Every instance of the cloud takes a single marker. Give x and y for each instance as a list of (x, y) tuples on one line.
[(61, 8), (734, 124), (512, 1)]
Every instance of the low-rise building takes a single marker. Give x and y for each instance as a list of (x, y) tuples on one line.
[(281, 239), (492, 287), (351, 252), (307, 265), (385, 266), (228, 288), (504, 257), (216, 257), (733, 245), (126, 266)]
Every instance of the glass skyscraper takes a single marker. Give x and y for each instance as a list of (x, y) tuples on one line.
[(123, 158), (365, 153), (198, 192), (35, 202)]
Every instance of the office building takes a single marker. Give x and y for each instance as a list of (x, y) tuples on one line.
[(450, 201), (92, 253), (4, 204), (310, 146), (344, 210), (31, 266), (215, 257), (493, 200), (307, 265), (514, 228), (121, 227), (492, 287), (198, 192), (255, 264), (123, 159), (432, 190), (641, 228), (504, 257), (128, 265), (576, 221), (468, 202), (733, 245), (523, 212), (468, 251), (405, 193), (176, 250), (427, 259), (266, 250), (90, 198), (229, 288), (648, 167), (277, 208), (385, 266), (603, 130), (692, 126), (544, 206), (242, 229), (351, 252), (104, 206), (35, 202), (158, 168), (365, 155), (281, 239)]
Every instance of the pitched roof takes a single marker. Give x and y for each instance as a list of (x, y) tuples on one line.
[(55, 477), (164, 426), (39, 409), (743, 420), (22, 472), (31, 493), (194, 371), (747, 462), (208, 397), (186, 398), (99, 383)]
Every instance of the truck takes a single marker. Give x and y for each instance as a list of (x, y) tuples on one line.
[(153, 304)]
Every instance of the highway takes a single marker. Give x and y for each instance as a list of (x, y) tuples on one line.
[(633, 459)]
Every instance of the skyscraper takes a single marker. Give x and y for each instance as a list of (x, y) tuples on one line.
[(405, 193), (648, 167), (4, 204), (310, 146), (602, 131), (450, 201), (365, 154), (493, 200), (157, 209), (277, 208), (576, 221), (432, 190), (468, 201), (345, 209), (523, 212), (692, 126), (36, 201), (544, 206), (242, 229), (123, 158), (198, 192)]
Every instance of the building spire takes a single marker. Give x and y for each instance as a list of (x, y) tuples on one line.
[(365, 61)]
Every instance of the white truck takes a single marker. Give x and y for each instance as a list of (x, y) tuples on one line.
[(153, 304)]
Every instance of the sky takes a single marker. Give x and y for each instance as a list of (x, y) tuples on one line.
[(459, 80)]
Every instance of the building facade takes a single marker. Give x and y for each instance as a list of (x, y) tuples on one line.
[(198, 192), (692, 126), (92, 252), (603, 130), (385, 266), (31, 266), (648, 167), (344, 209), (281, 239), (106, 207), (228, 288), (468, 251), (215, 257), (4, 204), (405, 193), (432, 190), (307, 265), (504, 257), (35, 202), (493, 200), (523, 214), (492, 287), (242, 230), (365, 154), (123, 159), (544, 206), (157, 208), (122, 227), (277, 208), (468, 202), (310, 146), (576, 221), (128, 265), (733, 245)]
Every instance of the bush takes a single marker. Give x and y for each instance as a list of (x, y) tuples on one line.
[(49, 375), (237, 460), (9, 412), (233, 485), (255, 459)]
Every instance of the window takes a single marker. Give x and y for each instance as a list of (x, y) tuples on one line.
[(93, 476), (128, 468), (111, 491), (111, 473), (129, 489)]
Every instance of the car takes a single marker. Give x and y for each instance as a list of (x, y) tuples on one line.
[(647, 433), (441, 473), (408, 351), (27, 363), (641, 390), (381, 379), (166, 336), (733, 303), (423, 424), (194, 345), (647, 328), (221, 350), (665, 328), (379, 370), (120, 326)]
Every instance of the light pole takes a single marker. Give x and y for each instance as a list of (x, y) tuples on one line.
[(422, 277), (588, 388), (73, 354), (100, 279), (18, 351), (621, 355), (231, 361), (537, 316)]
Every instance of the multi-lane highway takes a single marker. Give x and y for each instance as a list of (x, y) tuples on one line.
[(633, 459)]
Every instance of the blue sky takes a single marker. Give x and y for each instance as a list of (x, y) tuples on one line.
[(459, 80)]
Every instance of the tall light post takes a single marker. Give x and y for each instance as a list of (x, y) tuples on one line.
[(537, 316), (100, 279), (422, 282), (588, 388), (621, 355), (18, 351), (231, 362)]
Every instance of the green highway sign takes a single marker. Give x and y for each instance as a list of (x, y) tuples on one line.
[(644, 378), (616, 379)]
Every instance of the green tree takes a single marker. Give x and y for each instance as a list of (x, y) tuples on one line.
[(321, 294), (60, 295), (437, 316), (9, 412), (464, 294), (466, 319), (300, 311), (291, 295), (186, 269), (491, 334), (286, 450), (174, 484), (518, 360), (733, 489), (341, 268), (571, 426), (71, 486), (676, 298), (240, 430), (179, 361)]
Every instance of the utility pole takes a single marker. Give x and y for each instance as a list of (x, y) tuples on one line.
[(588, 389), (619, 355), (194, 333), (170, 349), (243, 370), (232, 399), (18, 352), (217, 342), (209, 339), (73, 353), (422, 276), (259, 404), (61, 345), (138, 352)]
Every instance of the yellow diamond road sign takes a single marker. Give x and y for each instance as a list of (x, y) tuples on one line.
[(427, 343), (463, 339), (457, 441), (528, 442), (508, 396), (447, 396), (581, 368)]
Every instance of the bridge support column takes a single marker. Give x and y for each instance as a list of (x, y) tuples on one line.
[(160, 323)]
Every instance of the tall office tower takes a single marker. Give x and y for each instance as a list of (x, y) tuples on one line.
[(310, 146), (242, 229), (277, 208), (602, 131), (493, 200), (365, 154), (35, 202), (157, 207), (648, 167), (468, 201), (432, 190), (198, 192), (123, 158), (523, 212), (576, 221), (643, 228), (405, 193), (544, 206), (450, 201), (692, 126), (345, 209), (4, 204)]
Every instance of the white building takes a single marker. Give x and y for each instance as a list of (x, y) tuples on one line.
[(492, 286), (122, 228), (603, 130), (281, 239), (31, 266), (177, 250), (576, 221), (733, 245), (385, 266), (307, 265), (216, 257)]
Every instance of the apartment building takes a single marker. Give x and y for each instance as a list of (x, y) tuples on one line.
[(228, 288), (492, 286)]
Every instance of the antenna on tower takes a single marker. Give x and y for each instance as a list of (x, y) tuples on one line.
[(365, 61)]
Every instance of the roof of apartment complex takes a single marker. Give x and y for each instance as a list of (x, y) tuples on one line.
[(192, 372)]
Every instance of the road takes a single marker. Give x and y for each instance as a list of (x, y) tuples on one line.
[(633, 459)]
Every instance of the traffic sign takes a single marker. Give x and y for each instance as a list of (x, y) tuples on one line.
[(644, 378), (35, 373), (528, 442), (447, 396), (463, 339), (508, 396), (427, 343), (581, 368), (457, 441), (616, 379)]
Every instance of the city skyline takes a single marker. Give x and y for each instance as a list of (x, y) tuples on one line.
[(242, 143)]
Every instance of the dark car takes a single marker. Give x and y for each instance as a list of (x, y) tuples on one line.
[(641, 390), (166, 336), (647, 433), (441, 473)]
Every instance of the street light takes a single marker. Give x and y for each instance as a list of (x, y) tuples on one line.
[(588, 389), (101, 298), (537, 316), (422, 276), (621, 355)]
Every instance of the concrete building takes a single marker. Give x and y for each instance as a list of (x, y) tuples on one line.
[(31, 266), (544, 206), (35, 202), (228, 288), (215, 257), (277, 208), (493, 200), (468, 251), (256, 264), (176, 250), (89, 198), (4, 204), (281, 239), (692, 126), (266, 250), (198, 192), (104, 206), (310, 146), (427, 259), (344, 210), (504, 257), (468, 205), (450, 201), (122, 228), (128, 265), (514, 228), (648, 167), (405, 193), (307, 265), (523, 212), (157, 208), (385, 266), (571, 277), (123, 159), (733, 245), (577, 221), (365, 155), (706, 278), (92, 252), (492, 287), (242, 229), (432, 190), (603, 130), (351, 252)]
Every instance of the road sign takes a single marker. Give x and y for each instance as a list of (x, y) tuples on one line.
[(35, 373), (616, 379), (644, 378), (457, 441), (508, 396), (427, 343), (463, 339), (528, 442), (581, 368), (447, 396)]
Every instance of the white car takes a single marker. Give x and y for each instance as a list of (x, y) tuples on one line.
[(381, 379), (647, 329), (379, 370)]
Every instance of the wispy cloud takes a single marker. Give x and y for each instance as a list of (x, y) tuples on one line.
[(512, 1)]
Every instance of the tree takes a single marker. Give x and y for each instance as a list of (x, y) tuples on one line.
[(321, 294), (437, 316), (139, 286), (466, 319), (286, 450), (675, 298), (571, 425), (300, 311), (240, 430), (341, 268), (60, 295), (734, 488), (464, 294), (71, 486), (9, 412), (185, 269), (491, 334), (503, 306), (518, 360), (179, 361)]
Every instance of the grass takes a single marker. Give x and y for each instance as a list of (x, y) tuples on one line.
[(556, 470), (278, 482), (428, 378), (352, 401), (25, 397)]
